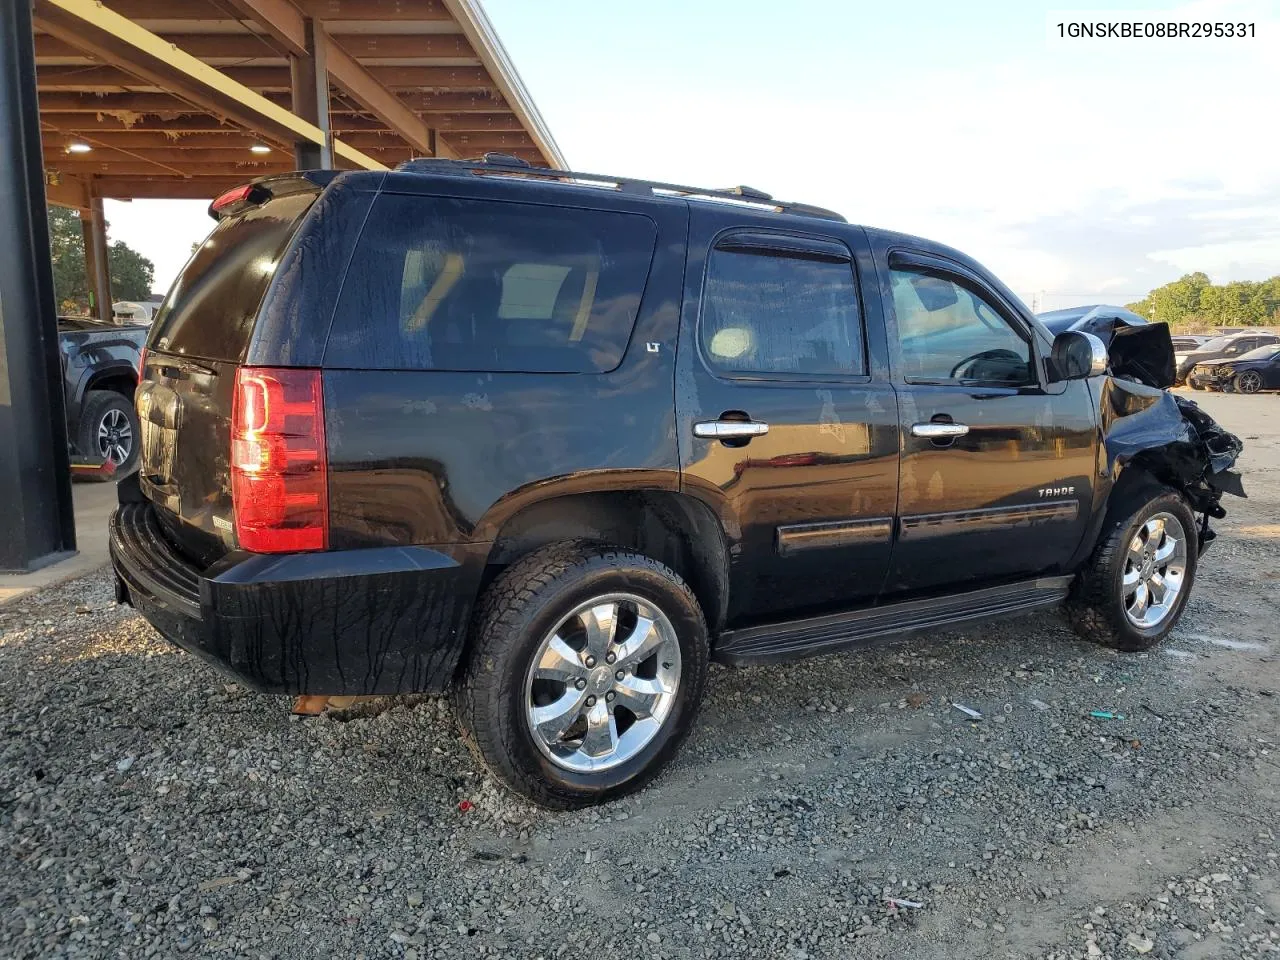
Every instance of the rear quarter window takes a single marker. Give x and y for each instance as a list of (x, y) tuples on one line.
[(211, 308), (453, 284)]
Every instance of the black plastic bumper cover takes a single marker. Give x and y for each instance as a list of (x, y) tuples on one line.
[(348, 622)]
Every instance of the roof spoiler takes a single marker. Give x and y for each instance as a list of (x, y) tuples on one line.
[(259, 191)]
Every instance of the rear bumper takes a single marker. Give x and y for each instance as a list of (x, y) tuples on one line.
[(347, 622)]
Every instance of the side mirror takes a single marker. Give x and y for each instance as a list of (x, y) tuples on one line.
[(1076, 356)]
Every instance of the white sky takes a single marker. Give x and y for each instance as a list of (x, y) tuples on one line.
[(1079, 171)]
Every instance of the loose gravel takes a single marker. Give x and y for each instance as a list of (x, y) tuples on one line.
[(838, 807)]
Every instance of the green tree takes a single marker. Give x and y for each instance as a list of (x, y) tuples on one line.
[(1193, 301), (66, 244), (1176, 302), (131, 273)]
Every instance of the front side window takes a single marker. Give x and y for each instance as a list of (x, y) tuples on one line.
[(440, 283), (766, 312), (948, 333)]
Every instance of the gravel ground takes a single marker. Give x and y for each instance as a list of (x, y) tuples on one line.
[(839, 807)]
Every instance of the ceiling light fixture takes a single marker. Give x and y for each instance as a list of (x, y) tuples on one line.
[(78, 147), (259, 148)]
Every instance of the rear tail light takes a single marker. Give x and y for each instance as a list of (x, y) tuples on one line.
[(279, 468), (142, 364)]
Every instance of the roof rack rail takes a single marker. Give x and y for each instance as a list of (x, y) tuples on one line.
[(504, 164)]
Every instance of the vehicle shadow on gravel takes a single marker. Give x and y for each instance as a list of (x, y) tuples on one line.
[(144, 791)]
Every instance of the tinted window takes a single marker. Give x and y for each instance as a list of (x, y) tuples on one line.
[(947, 332), (1261, 353), (447, 284), (211, 307), (766, 313)]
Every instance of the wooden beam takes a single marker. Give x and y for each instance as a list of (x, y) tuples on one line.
[(321, 9), (492, 141), (96, 259), (66, 101), (192, 122), (363, 46), (68, 192), (366, 89), (156, 140), (181, 158), (141, 168), (280, 19), (106, 35), (165, 188), (260, 78), (204, 131), (376, 9), (387, 46)]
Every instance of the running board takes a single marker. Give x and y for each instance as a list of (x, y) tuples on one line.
[(840, 631)]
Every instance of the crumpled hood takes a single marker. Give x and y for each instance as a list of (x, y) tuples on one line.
[(1138, 349)]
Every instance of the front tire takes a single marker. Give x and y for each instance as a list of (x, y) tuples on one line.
[(587, 667), (1135, 586), (1248, 382)]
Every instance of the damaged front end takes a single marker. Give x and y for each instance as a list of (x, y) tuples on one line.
[(1144, 426)]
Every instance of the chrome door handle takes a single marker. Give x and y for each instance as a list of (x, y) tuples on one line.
[(939, 431), (730, 429)]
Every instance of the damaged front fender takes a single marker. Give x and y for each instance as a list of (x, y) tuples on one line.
[(1171, 439)]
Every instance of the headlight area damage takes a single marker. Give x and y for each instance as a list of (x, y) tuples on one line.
[(1143, 425)]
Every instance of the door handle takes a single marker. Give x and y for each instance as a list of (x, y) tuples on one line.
[(939, 431), (730, 429)]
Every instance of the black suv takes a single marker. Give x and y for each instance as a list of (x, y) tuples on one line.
[(556, 441)]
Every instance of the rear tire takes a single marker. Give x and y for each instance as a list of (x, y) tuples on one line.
[(536, 701), (109, 429), (1148, 547)]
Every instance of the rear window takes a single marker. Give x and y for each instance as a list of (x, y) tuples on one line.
[(448, 284), (211, 307)]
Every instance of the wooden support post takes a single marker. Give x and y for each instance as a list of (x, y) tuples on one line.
[(97, 262), (309, 76)]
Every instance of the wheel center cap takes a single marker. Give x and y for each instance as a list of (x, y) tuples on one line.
[(599, 680)]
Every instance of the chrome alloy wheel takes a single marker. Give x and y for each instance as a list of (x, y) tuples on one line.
[(1249, 382), (1154, 571), (115, 437), (602, 683)]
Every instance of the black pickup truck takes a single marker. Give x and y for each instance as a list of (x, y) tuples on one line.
[(100, 363), (555, 441)]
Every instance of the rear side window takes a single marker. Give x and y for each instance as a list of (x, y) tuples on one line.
[(767, 312), (448, 284), (210, 310)]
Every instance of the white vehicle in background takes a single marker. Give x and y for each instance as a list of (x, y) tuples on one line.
[(133, 311)]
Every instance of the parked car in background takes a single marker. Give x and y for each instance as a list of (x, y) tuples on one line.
[(1250, 372), (1222, 348), (99, 375), (1185, 343), (554, 441)]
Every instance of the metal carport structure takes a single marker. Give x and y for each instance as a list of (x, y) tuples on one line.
[(133, 99)]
